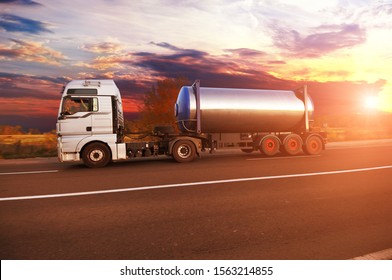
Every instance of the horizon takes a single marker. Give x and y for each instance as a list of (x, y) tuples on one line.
[(340, 49)]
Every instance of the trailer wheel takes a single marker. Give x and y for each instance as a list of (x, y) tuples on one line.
[(292, 144), (184, 151), (270, 145), (96, 155), (313, 145)]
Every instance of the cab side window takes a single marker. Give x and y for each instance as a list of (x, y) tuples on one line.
[(72, 105)]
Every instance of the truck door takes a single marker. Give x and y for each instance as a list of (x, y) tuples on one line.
[(76, 115), (102, 122)]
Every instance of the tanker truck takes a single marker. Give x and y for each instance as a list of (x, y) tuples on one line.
[(90, 124)]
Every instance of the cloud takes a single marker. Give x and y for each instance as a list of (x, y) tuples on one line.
[(39, 95), (240, 71), (20, 2), (218, 70), (166, 46), (106, 62), (276, 62), (382, 9), (12, 23), (31, 52), (122, 59), (245, 52), (19, 86), (30, 101), (374, 14), (233, 68), (136, 72), (326, 39), (103, 47), (179, 52)]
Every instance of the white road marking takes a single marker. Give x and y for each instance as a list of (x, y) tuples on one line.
[(289, 157), (190, 184), (29, 172), (380, 255)]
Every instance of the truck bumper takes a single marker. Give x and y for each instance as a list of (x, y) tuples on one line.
[(68, 157), (65, 156)]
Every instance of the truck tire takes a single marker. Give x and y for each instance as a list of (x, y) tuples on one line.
[(248, 151), (96, 155), (184, 151), (313, 145), (292, 144), (270, 145)]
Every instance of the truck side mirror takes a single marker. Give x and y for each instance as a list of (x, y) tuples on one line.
[(62, 116)]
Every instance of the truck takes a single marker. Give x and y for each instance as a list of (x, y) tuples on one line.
[(90, 124)]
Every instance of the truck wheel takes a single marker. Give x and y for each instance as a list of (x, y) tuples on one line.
[(96, 155), (292, 144), (270, 145), (184, 151), (313, 145), (248, 151)]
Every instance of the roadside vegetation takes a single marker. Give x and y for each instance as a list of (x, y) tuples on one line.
[(368, 126), (16, 143)]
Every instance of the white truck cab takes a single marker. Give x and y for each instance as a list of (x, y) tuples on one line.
[(90, 123)]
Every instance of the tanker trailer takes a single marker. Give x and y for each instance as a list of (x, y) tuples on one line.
[(265, 120)]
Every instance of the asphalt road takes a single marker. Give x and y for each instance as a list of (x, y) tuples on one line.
[(242, 206)]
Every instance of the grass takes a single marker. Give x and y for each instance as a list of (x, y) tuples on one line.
[(28, 145), (335, 134)]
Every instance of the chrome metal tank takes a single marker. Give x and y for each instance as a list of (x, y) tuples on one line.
[(228, 110)]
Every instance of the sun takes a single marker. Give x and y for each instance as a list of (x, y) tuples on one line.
[(371, 102)]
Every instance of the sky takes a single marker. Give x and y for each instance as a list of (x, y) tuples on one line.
[(342, 49)]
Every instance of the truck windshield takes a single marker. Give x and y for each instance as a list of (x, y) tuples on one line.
[(72, 105)]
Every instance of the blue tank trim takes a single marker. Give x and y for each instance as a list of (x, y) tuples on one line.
[(183, 107)]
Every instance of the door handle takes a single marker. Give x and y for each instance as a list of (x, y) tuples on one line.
[(89, 128)]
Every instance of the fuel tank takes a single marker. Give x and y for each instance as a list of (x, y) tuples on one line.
[(228, 110)]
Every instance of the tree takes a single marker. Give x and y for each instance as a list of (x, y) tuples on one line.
[(11, 130), (158, 104)]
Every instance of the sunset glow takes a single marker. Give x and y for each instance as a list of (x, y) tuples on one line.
[(372, 102), (385, 99), (340, 48)]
